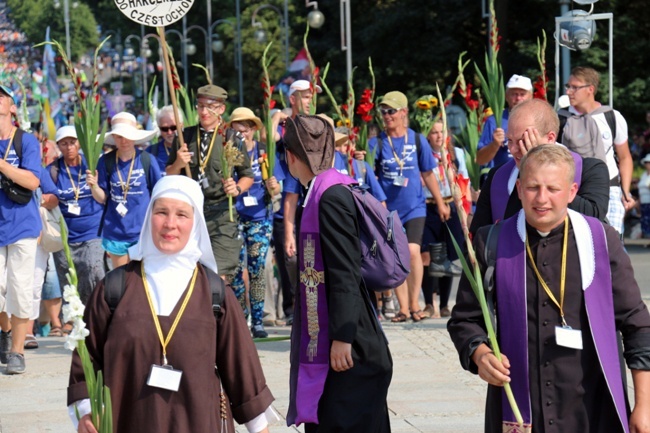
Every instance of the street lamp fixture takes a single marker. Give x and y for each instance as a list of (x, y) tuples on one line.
[(260, 34), (315, 18), (217, 44)]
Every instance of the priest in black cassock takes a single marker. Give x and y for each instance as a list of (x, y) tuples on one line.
[(564, 288), (340, 363)]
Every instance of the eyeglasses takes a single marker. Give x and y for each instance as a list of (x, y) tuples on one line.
[(390, 111), (167, 128), (212, 107), (571, 88)]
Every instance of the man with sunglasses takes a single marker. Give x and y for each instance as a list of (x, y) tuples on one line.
[(202, 151), (588, 127), (492, 149), (167, 126)]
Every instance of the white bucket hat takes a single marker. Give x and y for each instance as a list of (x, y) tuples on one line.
[(125, 125)]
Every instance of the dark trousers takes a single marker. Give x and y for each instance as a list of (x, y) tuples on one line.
[(288, 267)]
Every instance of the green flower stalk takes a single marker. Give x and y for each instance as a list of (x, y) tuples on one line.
[(100, 396), (87, 122), (492, 82), (471, 270), (269, 104), (314, 74)]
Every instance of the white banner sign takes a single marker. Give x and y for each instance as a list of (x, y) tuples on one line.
[(154, 13)]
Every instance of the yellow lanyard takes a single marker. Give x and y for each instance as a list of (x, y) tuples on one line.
[(124, 186), (204, 163), (76, 189), (400, 162), (560, 305), (11, 140), (165, 341)]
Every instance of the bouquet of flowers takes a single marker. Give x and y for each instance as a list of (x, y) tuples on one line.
[(423, 113), (471, 269), (492, 84), (87, 121), (231, 156), (73, 311), (541, 84)]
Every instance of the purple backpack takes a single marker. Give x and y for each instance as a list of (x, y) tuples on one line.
[(385, 257)]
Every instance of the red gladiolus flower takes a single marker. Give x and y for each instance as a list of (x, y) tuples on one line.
[(78, 81), (344, 107), (540, 88), (463, 184), (366, 96), (472, 104), (97, 98), (83, 95), (272, 104)]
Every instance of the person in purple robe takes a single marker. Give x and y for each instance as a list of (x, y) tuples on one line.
[(563, 293), (340, 363)]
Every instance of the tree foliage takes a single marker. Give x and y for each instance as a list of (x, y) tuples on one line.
[(34, 16)]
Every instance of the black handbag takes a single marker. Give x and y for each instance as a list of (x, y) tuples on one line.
[(15, 192)]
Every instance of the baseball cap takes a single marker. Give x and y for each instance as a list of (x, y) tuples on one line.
[(7, 91), (395, 100), (65, 132), (519, 82), (300, 85), (213, 92), (645, 159)]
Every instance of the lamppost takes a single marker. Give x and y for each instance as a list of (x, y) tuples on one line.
[(207, 43), (66, 20), (217, 47), (346, 33), (144, 53), (260, 33)]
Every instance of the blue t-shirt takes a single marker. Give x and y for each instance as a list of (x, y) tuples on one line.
[(161, 154), (47, 184), (407, 200), (503, 154), (85, 226), (20, 221), (289, 183), (126, 228), (259, 211)]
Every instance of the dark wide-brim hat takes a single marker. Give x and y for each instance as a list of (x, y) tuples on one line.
[(311, 139)]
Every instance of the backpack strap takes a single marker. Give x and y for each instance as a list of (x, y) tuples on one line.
[(218, 288), (109, 165), (54, 170), (18, 143), (563, 114), (114, 287), (610, 117), (490, 257), (145, 160)]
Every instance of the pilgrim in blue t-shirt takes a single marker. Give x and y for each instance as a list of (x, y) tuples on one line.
[(361, 172), (160, 151), (80, 210), (503, 154), (126, 228), (20, 221), (251, 205), (289, 183), (408, 200)]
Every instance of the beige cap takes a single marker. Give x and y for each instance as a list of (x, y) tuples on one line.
[(395, 100)]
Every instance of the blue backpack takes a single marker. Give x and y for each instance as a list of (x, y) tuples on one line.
[(385, 257)]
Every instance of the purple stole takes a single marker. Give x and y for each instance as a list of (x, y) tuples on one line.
[(500, 192), (512, 309), (311, 328)]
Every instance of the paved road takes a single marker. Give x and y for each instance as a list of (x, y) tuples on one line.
[(429, 391)]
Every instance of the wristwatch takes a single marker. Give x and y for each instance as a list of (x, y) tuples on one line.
[(238, 189)]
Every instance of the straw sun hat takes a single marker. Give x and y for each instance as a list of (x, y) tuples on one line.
[(243, 114), (125, 125)]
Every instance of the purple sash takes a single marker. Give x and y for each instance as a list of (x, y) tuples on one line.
[(500, 194), (314, 344), (512, 307)]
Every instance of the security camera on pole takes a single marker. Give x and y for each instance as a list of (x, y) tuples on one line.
[(159, 15)]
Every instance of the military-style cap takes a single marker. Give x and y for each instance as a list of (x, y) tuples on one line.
[(213, 92)]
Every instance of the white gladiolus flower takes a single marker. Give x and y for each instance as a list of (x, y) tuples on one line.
[(69, 292), (74, 309)]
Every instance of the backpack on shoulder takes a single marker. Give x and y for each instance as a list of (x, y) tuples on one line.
[(580, 133), (385, 257), (15, 192), (115, 286)]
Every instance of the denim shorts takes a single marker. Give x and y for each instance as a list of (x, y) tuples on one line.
[(117, 248)]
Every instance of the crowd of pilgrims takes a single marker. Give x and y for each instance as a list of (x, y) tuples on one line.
[(263, 281)]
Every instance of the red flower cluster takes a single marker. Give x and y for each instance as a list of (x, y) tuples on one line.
[(540, 88), (365, 106), (472, 104)]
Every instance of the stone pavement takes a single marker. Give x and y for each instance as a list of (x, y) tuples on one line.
[(429, 391)]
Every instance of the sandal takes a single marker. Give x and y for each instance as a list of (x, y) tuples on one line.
[(399, 318), (30, 342), (55, 332), (67, 328), (418, 315)]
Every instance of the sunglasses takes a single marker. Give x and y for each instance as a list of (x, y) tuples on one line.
[(167, 128), (390, 111)]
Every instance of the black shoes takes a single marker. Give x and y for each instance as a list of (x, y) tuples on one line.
[(258, 331)]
